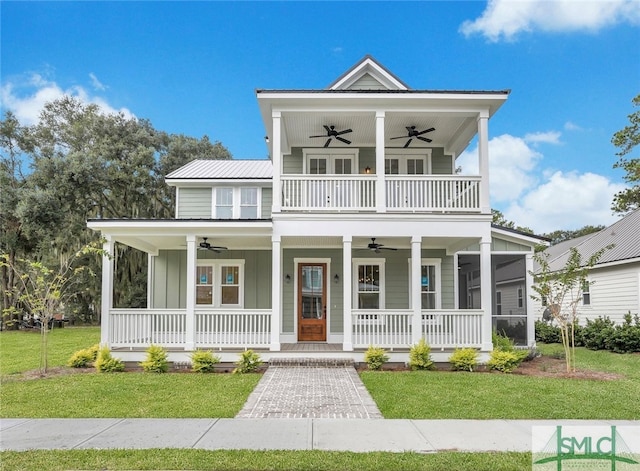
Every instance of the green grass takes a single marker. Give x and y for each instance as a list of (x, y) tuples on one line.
[(461, 395), (259, 460), (128, 395), (20, 350)]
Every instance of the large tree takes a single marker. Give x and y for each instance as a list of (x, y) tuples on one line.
[(626, 140)]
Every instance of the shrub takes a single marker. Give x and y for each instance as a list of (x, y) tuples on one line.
[(375, 357), (420, 356), (547, 332), (83, 358), (502, 342), (625, 338), (203, 361), (596, 333), (464, 359), (249, 362), (156, 360), (503, 361), (105, 363)]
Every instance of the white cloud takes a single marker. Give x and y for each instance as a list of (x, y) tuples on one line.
[(566, 201), (97, 84), (505, 19), (27, 99), (511, 165), (549, 137), (570, 126)]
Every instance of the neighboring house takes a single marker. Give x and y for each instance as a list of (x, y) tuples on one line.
[(358, 231), (613, 287)]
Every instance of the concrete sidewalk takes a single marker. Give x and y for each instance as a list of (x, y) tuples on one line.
[(359, 435)]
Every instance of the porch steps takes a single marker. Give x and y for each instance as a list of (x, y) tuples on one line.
[(312, 362)]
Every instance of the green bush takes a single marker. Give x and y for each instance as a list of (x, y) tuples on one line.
[(203, 361), (375, 357), (105, 363), (596, 334), (625, 338), (547, 332), (420, 356), (249, 362), (84, 358), (156, 360), (503, 361), (502, 342), (464, 359)]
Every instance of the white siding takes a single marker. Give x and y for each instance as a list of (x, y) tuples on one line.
[(614, 293), (194, 203)]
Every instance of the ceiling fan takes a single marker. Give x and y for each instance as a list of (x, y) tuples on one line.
[(204, 245), (331, 133), (373, 246), (412, 132)]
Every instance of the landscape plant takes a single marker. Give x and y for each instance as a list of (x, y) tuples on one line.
[(420, 356), (249, 362), (464, 359), (375, 357), (561, 291), (156, 360), (106, 363), (503, 361), (204, 361), (84, 358)]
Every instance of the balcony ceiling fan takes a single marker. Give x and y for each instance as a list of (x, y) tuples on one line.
[(204, 245), (412, 132), (331, 133)]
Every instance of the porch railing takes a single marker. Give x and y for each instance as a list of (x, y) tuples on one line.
[(419, 193), (323, 192), (439, 328), (167, 327), (246, 328), (432, 193), (450, 329)]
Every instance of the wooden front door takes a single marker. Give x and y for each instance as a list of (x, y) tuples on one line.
[(312, 302)]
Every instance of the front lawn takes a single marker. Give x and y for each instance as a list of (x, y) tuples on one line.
[(249, 460), (461, 395)]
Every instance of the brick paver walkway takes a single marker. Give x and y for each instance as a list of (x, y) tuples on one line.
[(310, 392)]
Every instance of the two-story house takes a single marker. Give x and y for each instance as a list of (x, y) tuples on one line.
[(358, 231)]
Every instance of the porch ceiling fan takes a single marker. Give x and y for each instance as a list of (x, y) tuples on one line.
[(204, 245), (373, 246), (413, 132), (332, 133)]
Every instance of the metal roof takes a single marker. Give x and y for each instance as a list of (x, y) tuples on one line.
[(223, 170), (623, 235)]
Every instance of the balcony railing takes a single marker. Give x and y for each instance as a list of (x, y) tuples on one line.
[(414, 193)]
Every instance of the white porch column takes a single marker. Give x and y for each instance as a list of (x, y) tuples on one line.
[(416, 289), (276, 291), (531, 314), (483, 161), (485, 292), (347, 318), (190, 324), (381, 190), (276, 159), (107, 290)]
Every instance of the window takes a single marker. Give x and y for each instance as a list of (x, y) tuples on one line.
[(369, 283), (219, 283), (520, 298), (391, 166), (330, 161), (224, 203), (430, 292), (237, 203), (317, 166), (248, 203), (415, 167), (586, 294), (498, 303), (408, 162)]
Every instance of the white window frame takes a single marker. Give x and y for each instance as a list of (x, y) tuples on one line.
[(216, 282), (586, 293), (236, 200), (331, 154), (403, 155)]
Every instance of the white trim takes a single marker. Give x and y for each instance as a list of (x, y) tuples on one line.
[(403, 155), (331, 154), (216, 282), (328, 282), (437, 263), (236, 199), (355, 262)]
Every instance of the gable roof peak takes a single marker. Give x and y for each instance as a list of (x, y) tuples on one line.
[(368, 73)]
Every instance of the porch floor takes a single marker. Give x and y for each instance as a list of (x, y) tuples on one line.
[(311, 347)]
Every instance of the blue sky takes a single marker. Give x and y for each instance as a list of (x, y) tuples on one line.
[(193, 67)]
